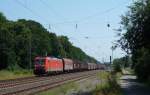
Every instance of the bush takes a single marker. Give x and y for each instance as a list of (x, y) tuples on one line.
[(117, 65), (109, 86), (143, 65)]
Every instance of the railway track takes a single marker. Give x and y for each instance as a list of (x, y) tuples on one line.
[(15, 82), (37, 84), (20, 81)]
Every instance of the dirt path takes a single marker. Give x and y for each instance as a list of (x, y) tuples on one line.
[(130, 86)]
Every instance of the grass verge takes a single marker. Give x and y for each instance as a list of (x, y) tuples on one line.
[(6, 74), (108, 85), (61, 90)]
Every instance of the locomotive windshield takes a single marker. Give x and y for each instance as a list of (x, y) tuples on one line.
[(39, 61)]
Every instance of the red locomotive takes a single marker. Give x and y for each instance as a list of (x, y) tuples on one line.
[(46, 65)]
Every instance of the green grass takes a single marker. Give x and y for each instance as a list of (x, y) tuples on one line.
[(6, 74), (108, 85), (118, 75), (61, 90), (103, 75)]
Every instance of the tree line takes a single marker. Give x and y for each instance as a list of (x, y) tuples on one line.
[(23, 40), (136, 38)]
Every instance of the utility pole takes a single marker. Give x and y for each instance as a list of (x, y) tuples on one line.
[(76, 27), (30, 51), (110, 59), (113, 48)]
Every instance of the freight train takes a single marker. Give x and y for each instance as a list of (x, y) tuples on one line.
[(52, 65)]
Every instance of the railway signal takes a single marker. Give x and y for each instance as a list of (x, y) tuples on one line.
[(108, 25)]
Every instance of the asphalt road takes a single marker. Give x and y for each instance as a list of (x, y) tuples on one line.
[(130, 86)]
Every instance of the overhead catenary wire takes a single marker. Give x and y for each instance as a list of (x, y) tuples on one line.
[(75, 22), (31, 11), (54, 12), (52, 9), (51, 25), (100, 13), (69, 22), (37, 15)]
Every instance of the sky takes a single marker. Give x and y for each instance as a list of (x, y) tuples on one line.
[(83, 21)]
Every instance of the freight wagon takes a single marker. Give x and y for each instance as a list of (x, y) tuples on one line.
[(92, 66), (67, 64), (76, 65)]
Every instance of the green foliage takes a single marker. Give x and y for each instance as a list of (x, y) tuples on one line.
[(117, 65), (123, 62), (143, 65), (24, 39), (2, 18), (70, 51), (136, 39), (109, 86)]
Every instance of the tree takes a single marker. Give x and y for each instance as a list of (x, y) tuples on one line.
[(136, 22), (143, 65)]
